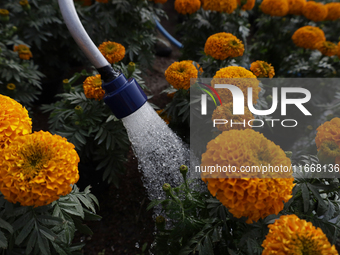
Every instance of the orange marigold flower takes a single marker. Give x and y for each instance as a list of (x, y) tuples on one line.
[(14, 121), (163, 115), (225, 112), (275, 7), (262, 69), (327, 48), (333, 11), (339, 50), (23, 51), (296, 6), (253, 198), (246, 4), (93, 87), (328, 140), (187, 6), (112, 51), (291, 235), (239, 77), (308, 37), (227, 6), (315, 11), (179, 74), (223, 45), (37, 169)]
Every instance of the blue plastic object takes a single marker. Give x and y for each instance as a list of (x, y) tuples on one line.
[(167, 35), (123, 96)]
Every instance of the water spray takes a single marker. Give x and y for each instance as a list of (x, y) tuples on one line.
[(160, 152)]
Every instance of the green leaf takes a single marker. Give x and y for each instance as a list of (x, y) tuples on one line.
[(3, 241), (80, 138), (49, 220), (94, 199), (43, 245), (315, 192), (58, 248), (91, 216), (4, 224), (100, 131), (31, 241), (330, 211), (145, 245), (86, 202), (295, 190), (47, 233), (82, 227), (207, 246), (153, 204), (25, 231), (305, 197), (77, 247), (71, 210), (79, 206), (231, 252), (21, 222)]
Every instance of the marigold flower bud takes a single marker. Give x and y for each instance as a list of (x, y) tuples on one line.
[(4, 15), (269, 98), (289, 154), (160, 222), (131, 68), (10, 86), (25, 5), (78, 109), (166, 187), (66, 85), (183, 169), (309, 128)]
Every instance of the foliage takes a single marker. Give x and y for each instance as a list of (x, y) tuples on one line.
[(23, 74), (42, 27), (47, 229), (203, 24), (178, 111), (278, 49), (97, 134), (275, 47), (198, 222), (130, 23)]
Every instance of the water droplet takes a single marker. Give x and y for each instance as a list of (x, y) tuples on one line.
[(160, 152)]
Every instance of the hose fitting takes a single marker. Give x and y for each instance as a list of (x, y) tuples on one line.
[(123, 96)]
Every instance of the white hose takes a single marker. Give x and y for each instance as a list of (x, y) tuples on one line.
[(79, 34)]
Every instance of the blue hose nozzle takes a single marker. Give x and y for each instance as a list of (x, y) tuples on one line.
[(123, 96)]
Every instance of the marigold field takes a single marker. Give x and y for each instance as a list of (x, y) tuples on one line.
[(250, 87)]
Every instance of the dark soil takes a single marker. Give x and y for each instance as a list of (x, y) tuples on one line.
[(126, 224)]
